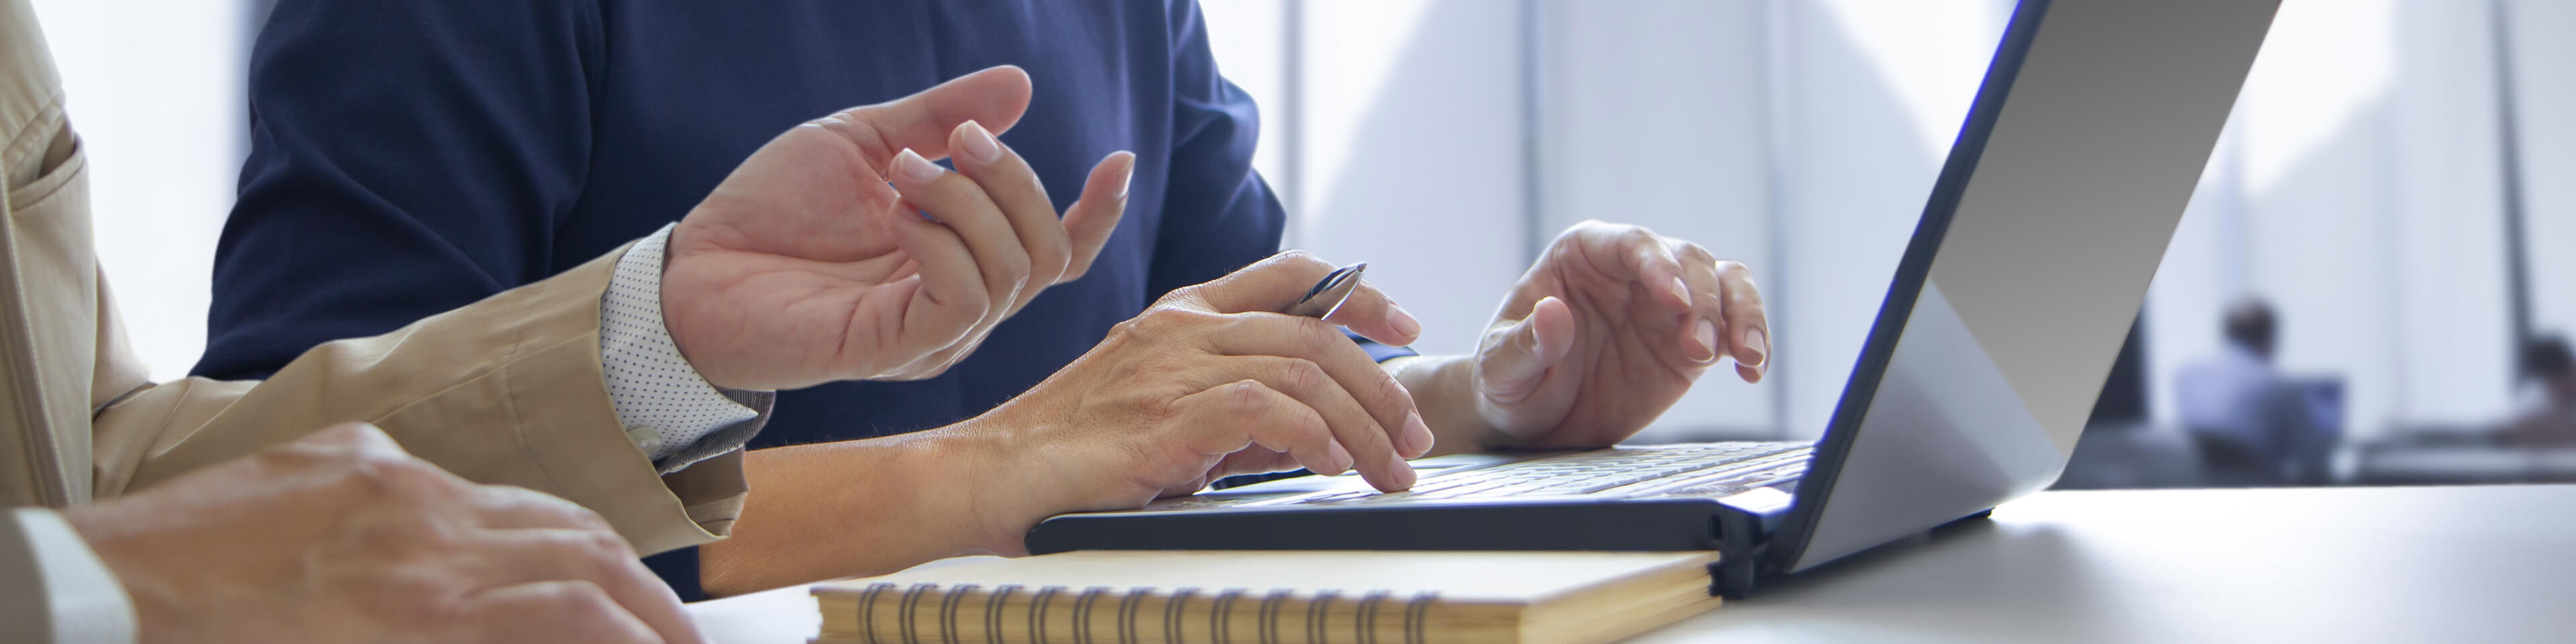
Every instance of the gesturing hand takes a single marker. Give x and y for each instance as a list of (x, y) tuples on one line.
[(1607, 330), (343, 537), (839, 251), (1206, 383)]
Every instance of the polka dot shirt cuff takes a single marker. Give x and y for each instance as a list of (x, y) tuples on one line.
[(661, 400)]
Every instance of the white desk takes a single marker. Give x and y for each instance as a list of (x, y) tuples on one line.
[(2434, 564)]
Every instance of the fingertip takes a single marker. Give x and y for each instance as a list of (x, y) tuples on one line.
[(1551, 329), (1403, 324), (1341, 459), (1417, 438), (1703, 345), (1754, 349), (1399, 474), (910, 165), (974, 143), (1749, 374), (1106, 189)]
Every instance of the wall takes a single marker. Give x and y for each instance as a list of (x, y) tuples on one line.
[(155, 89)]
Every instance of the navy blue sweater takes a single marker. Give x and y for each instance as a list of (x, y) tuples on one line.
[(413, 156)]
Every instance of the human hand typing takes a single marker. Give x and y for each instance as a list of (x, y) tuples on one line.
[(1607, 330), (1208, 382), (840, 251)]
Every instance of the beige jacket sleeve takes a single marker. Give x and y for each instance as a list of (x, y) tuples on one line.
[(505, 391)]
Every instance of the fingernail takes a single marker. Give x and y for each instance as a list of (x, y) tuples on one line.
[(979, 143), (1128, 176), (1706, 333), (1403, 473), (1342, 459), (1681, 292), (1417, 434), (1761, 350), (1537, 341), (1404, 322), (914, 167)]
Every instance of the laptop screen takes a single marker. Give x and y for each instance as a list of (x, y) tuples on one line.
[(2028, 266)]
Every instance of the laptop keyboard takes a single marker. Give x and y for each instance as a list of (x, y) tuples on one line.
[(1694, 470)]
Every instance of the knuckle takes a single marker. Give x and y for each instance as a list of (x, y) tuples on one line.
[(563, 511), (1013, 265), (1170, 319), (607, 546), (1158, 410), (1731, 267), (1245, 396), (1048, 267), (402, 532), (1385, 391), (401, 476), (971, 310), (1155, 367), (411, 597), (1698, 254), (1318, 335), (1301, 375), (298, 456)]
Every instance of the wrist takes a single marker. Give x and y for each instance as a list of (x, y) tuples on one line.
[(155, 612), (1000, 503)]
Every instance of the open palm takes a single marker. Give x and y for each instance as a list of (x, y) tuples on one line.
[(821, 258)]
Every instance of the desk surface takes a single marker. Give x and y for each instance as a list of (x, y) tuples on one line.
[(2345, 564)]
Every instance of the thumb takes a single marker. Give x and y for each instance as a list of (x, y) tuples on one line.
[(995, 98), (1515, 358)]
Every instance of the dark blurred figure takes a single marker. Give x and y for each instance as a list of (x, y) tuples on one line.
[(2551, 417), (2251, 425)]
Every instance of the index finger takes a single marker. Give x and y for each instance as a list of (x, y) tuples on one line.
[(1280, 281), (995, 97), (1630, 252), (1748, 329)]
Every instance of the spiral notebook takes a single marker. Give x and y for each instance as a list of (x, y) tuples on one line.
[(1213, 597)]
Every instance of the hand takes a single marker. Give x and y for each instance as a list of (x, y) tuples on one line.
[(1607, 330), (839, 251), (1207, 383), (343, 537)]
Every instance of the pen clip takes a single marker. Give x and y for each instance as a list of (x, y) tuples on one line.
[(1329, 293)]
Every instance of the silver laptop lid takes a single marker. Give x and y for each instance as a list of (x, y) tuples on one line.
[(2028, 267)]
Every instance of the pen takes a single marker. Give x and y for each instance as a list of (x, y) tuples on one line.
[(1328, 293)]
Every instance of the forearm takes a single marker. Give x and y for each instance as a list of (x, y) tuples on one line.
[(1444, 389), (852, 508)]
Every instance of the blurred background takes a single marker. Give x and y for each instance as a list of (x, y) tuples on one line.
[(2394, 190)]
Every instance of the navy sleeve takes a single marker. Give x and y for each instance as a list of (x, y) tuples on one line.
[(1218, 214), (407, 157)]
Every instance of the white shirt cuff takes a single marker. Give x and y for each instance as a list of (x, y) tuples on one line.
[(81, 596), (661, 400)]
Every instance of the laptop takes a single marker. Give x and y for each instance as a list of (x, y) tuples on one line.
[(2012, 299)]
